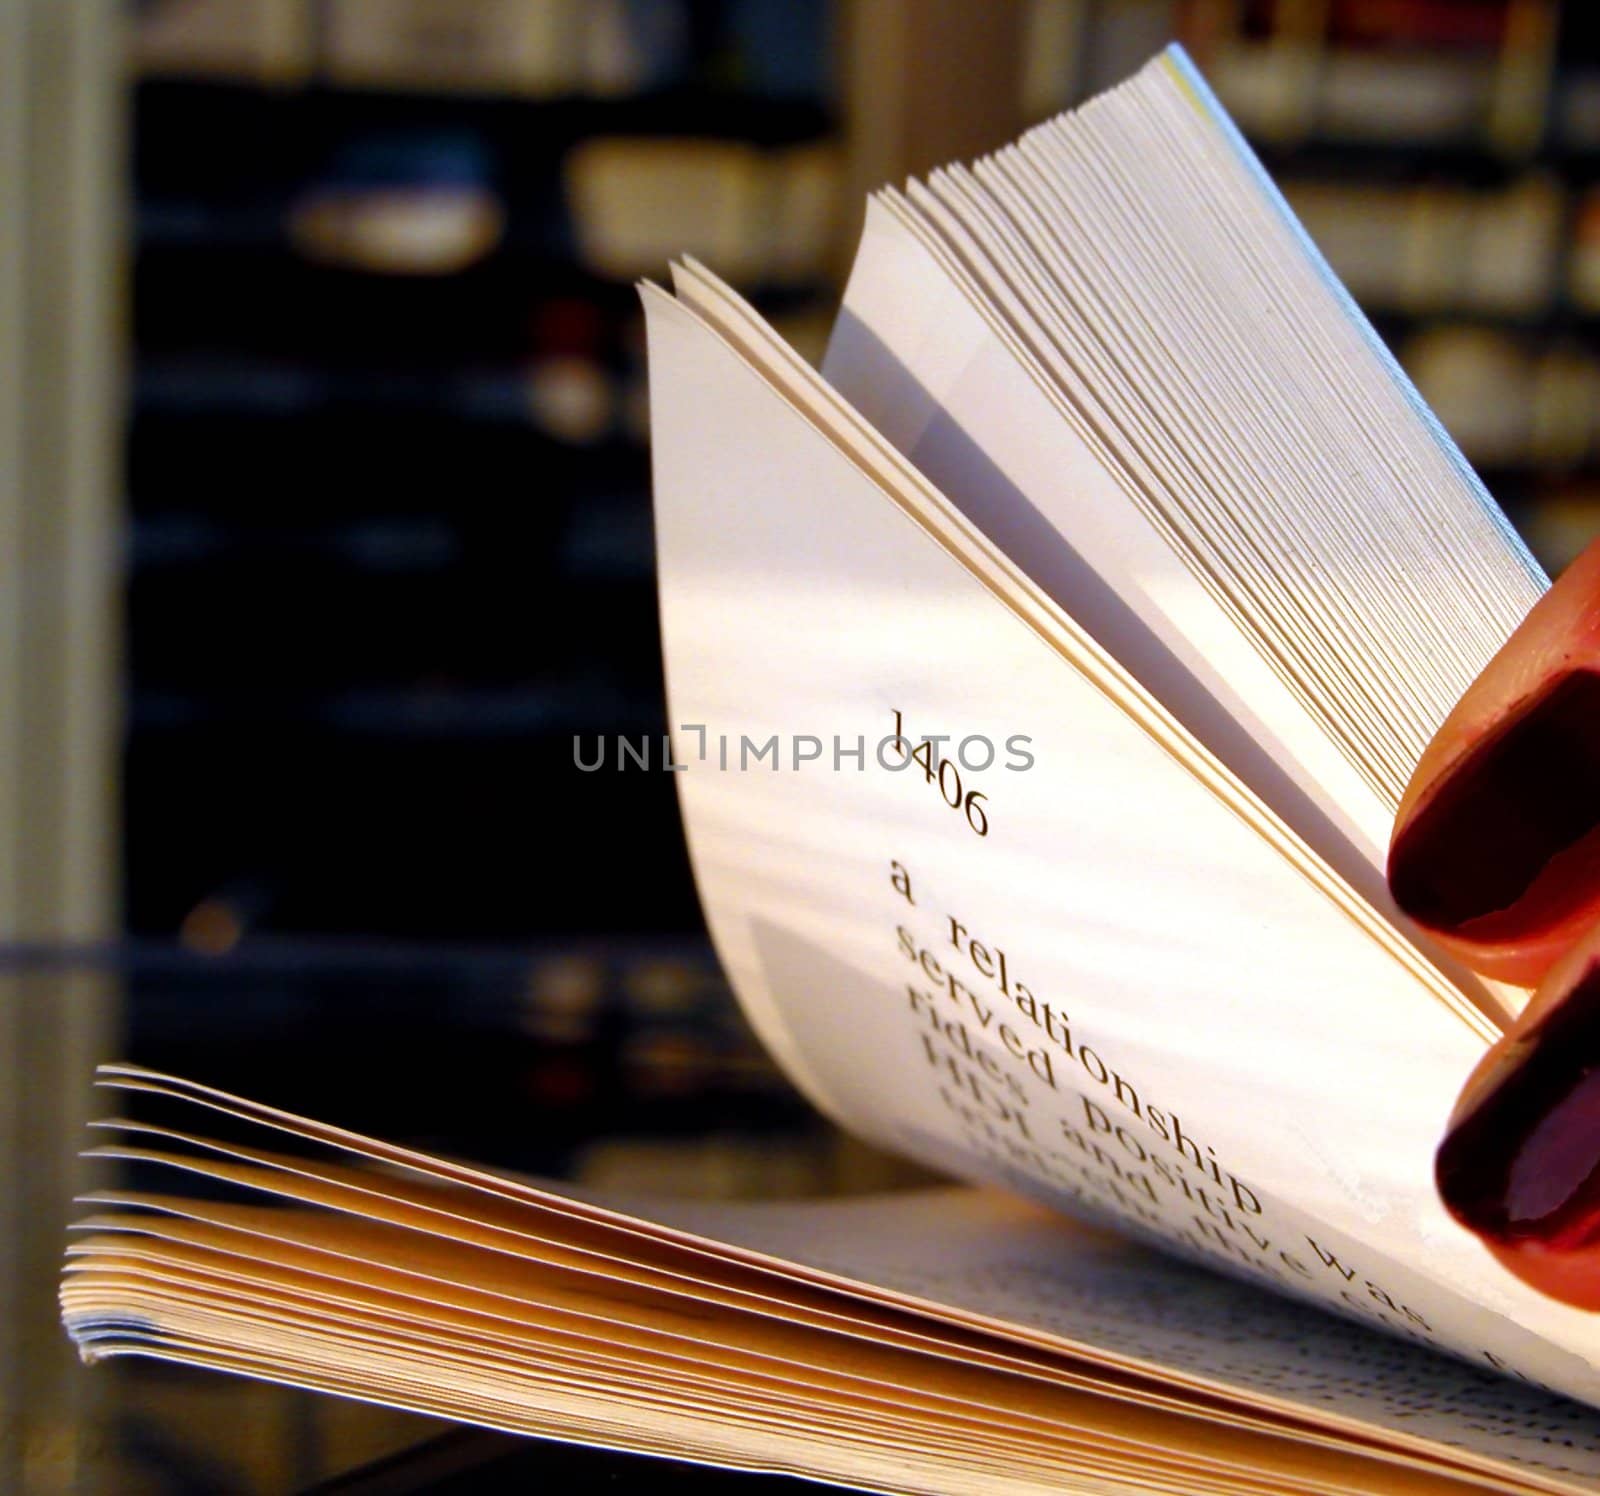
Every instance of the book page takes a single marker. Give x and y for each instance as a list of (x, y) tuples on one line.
[(1097, 983), (484, 1297), (837, 1307), (1270, 795), (1023, 1268), (830, 1311)]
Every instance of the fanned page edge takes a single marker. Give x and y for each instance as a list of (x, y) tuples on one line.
[(1484, 1012), (1462, 505), (1333, 1432), (893, 220), (1177, 62)]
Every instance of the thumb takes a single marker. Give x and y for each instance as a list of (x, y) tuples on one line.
[(1496, 846), (1520, 1164)]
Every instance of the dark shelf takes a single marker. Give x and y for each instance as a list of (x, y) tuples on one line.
[(419, 713), (265, 300), (1465, 162), (480, 839), (333, 465), (241, 151), (1559, 321)]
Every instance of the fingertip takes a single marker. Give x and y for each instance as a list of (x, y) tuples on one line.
[(1496, 845), (1571, 1278), (1520, 1161)]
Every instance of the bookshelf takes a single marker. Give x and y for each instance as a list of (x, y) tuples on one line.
[(386, 465)]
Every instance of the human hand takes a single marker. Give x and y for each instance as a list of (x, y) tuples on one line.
[(1496, 853)]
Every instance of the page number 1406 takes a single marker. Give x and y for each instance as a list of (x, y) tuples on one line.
[(945, 773)]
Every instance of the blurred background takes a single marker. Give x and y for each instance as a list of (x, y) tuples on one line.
[(325, 529)]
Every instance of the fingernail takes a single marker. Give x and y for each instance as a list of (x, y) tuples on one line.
[(1496, 850), (1523, 1164)]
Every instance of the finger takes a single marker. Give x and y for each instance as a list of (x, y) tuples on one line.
[(1496, 847), (1520, 1164)]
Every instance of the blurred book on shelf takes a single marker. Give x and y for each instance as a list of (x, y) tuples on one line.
[(258, 41), (529, 49), (515, 46), (1583, 276), (1420, 248), (767, 216), (401, 205), (1395, 72)]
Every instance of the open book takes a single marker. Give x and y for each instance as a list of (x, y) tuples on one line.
[(1043, 681)]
